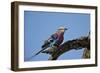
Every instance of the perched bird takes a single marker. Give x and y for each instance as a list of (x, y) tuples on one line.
[(53, 42), (55, 39)]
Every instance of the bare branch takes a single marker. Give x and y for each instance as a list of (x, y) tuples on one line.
[(83, 42)]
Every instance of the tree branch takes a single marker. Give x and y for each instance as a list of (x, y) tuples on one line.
[(83, 42)]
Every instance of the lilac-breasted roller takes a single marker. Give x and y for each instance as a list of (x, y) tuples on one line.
[(53, 41)]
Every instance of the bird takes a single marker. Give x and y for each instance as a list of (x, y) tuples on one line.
[(53, 42)]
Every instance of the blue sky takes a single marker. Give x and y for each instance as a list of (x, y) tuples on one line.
[(40, 25)]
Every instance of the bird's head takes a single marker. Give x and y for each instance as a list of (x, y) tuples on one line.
[(62, 29)]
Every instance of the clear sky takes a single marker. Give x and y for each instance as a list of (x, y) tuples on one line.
[(40, 25)]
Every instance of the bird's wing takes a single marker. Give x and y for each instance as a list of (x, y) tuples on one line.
[(45, 45), (50, 40)]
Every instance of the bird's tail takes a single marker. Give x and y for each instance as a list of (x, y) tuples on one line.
[(36, 54)]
